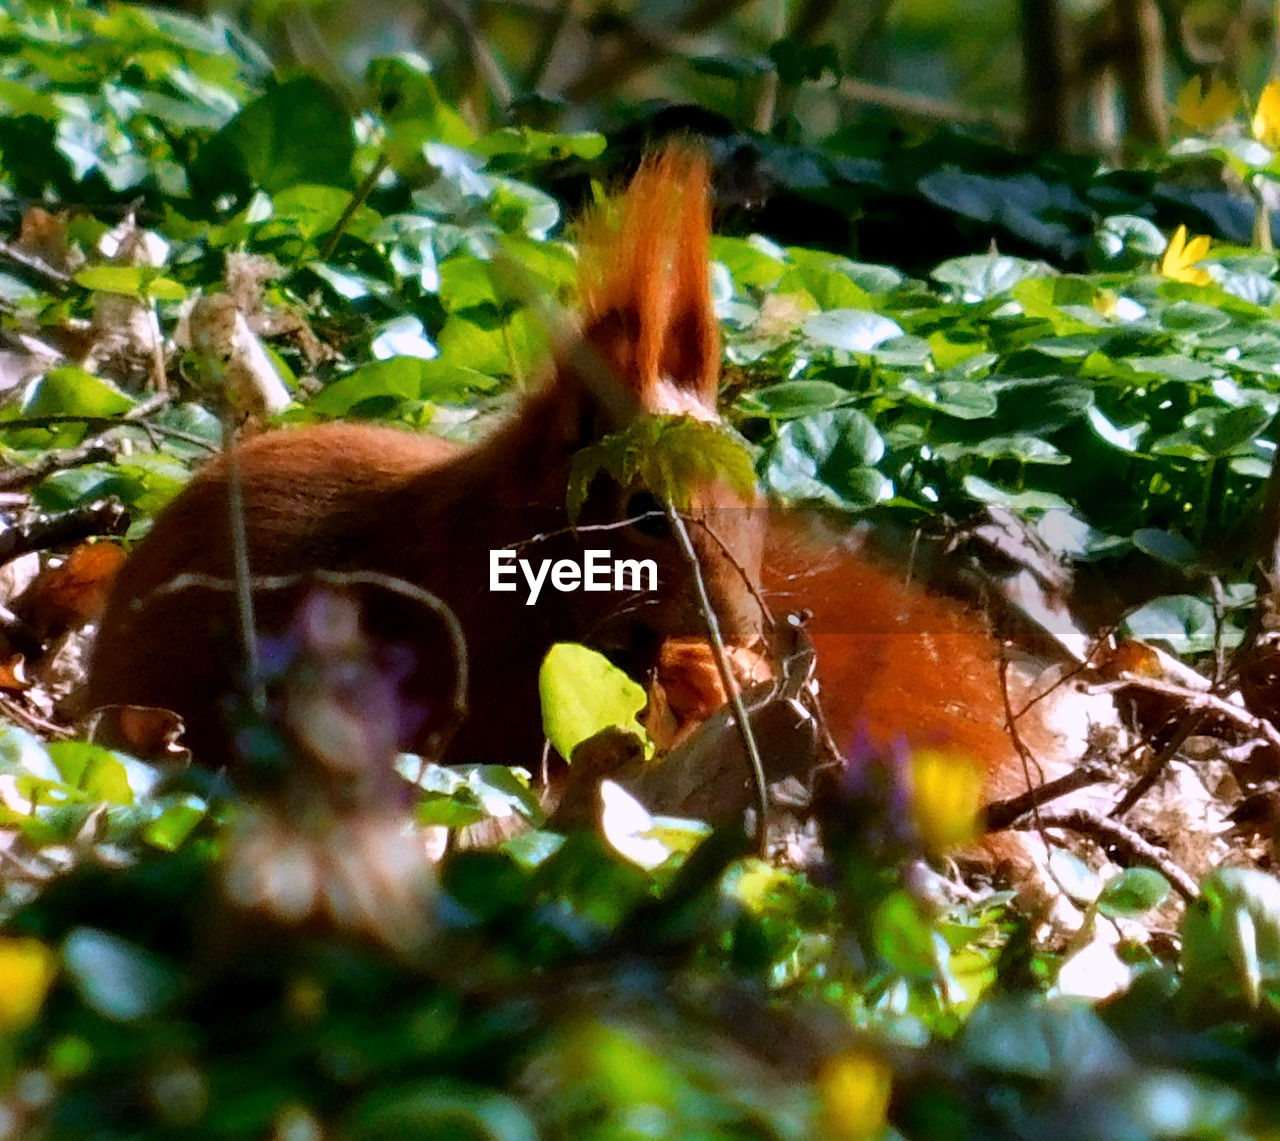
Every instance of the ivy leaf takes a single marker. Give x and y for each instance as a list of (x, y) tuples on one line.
[(1133, 893), (668, 455), (854, 330), (828, 458), (132, 281), (298, 132), (987, 275), (583, 693)]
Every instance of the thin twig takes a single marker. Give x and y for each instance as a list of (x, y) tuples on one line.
[(1111, 834), (135, 417), (92, 451), (1197, 699), (160, 373), (1101, 642), (726, 677), (557, 23), (929, 108), (1159, 763), (54, 279), (1219, 630), (30, 721), (240, 561), (432, 602), (102, 517), (1024, 754), (358, 199), (486, 62), (1005, 813)]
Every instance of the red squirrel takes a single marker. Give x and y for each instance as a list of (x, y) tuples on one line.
[(892, 661), (356, 498)]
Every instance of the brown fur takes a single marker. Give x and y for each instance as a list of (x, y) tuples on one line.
[(353, 497), (893, 661)]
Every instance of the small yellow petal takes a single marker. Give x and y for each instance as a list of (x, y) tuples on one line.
[(1266, 117), (853, 1089), (27, 968), (1202, 105), (1196, 249), (947, 795), (1174, 251), (1180, 257)]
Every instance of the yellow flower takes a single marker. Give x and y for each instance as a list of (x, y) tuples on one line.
[(27, 968), (947, 791), (1180, 257), (1266, 119), (853, 1090), (1202, 105)]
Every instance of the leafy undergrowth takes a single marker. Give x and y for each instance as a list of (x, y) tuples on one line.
[(178, 960)]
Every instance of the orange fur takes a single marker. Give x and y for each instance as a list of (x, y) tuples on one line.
[(359, 498), (892, 660)]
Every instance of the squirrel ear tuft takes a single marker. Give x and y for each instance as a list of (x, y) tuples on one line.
[(645, 287)]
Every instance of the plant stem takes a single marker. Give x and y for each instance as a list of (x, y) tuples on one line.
[(726, 677), (240, 563)]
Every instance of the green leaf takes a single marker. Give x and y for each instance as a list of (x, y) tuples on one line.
[(986, 492), (349, 284), (903, 938), (1231, 936), (119, 980), (458, 795), (312, 211), (540, 146), (1170, 548), (582, 693), (97, 772), (1023, 449), (298, 132), (1184, 623), (854, 330), (1125, 241), (170, 829), (1193, 317), (669, 455), (1074, 876), (793, 398), (828, 458), (963, 399), (1030, 1038), (751, 264), (403, 337), (987, 275), (1133, 893), (132, 280), (466, 282), (412, 109), (398, 379), (71, 391), (1211, 433), (831, 280), (1124, 439)]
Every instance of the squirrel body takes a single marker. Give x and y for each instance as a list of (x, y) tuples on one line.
[(896, 663), (892, 660), (356, 498)]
